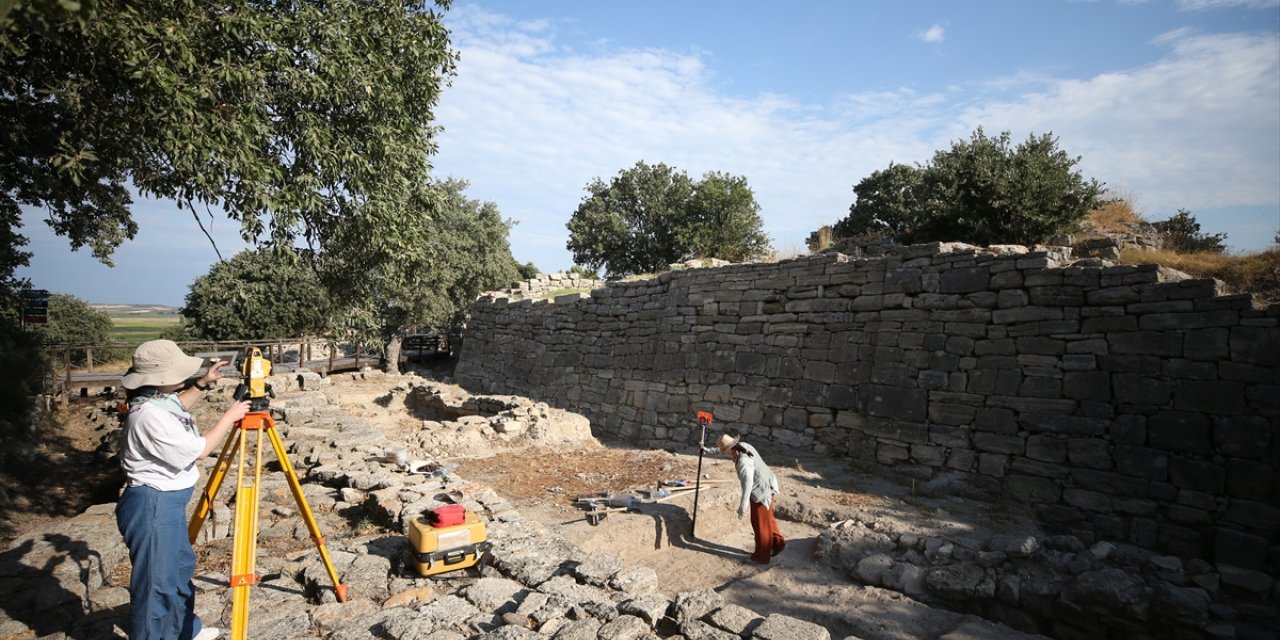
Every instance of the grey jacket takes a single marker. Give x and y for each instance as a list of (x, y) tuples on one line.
[(758, 482)]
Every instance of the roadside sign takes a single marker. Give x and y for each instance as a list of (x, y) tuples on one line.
[(35, 306)]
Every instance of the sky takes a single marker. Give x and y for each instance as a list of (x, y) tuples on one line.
[(1173, 104)]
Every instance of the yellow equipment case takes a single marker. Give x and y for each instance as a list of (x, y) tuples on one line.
[(441, 549)]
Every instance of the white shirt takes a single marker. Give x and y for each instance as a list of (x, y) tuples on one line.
[(158, 450)]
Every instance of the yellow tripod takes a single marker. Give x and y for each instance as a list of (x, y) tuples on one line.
[(244, 550)]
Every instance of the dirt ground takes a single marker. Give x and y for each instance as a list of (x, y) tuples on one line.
[(66, 470)]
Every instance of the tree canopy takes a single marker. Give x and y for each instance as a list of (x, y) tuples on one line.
[(1182, 233), (452, 249), (982, 191), (650, 216), (292, 118), (258, 295), (73, 321)]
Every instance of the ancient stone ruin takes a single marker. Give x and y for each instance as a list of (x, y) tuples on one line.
[(1119, 405)]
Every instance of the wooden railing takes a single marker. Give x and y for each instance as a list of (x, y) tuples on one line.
[(289, 354)]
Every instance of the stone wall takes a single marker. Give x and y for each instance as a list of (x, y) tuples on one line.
[(1124, 403)]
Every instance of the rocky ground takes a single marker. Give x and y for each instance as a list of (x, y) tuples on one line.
[(865, 559)]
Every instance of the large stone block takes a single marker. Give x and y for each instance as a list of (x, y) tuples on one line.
[(1244, 437), (1061, 424), (1106, 482), (1087, 385), (1140, 389), (1258, 516), (1250, 479), (1092, 453), (1206, 344), (1179, 431), (782, 627), (1031, 489), (996, 420), (909, 405), (1232, 546), (1210, 396), (1197, 475), (1145, 343), (1256, 345), (966, 280), (994, 443), (1142, 462), (917, 433)]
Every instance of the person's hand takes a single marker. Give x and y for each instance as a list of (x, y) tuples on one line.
[(236, 411), (213, 374), (741, 513)]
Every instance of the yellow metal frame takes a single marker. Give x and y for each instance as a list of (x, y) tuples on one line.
[(244, 550)]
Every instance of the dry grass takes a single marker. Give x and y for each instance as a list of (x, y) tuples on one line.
[(1115, 217), (1256, 273)]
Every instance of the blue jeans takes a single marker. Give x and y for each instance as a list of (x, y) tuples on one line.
[(161, 594)]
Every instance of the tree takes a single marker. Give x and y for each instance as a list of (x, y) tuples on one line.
[(20, 355), (650, 216), (454, 249), (981, 191), (723, 220), (258, 295), (73, 322), (887, 204), (1182, 234), (292, 118)]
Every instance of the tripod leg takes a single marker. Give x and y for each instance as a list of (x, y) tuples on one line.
[(339, 588), (215, 482), (244, 549)]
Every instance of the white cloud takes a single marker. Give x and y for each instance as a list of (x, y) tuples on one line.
[(531, 125), (933, 34), (1196, 129), (1202, 5)]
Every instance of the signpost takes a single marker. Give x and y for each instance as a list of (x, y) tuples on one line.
[(35, 307)]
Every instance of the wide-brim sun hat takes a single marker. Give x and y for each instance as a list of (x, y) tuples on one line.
[(159, 363), (727, 442)]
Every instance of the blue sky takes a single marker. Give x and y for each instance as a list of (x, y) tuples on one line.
[(1171, 103)]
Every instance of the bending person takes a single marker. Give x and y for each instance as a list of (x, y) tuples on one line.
[(759, 486)]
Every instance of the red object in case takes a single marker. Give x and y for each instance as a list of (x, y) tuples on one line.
[(446, 516)]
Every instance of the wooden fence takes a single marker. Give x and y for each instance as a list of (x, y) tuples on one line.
[(289, 354)]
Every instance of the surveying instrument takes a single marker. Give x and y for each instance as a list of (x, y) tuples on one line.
[(254, 387)]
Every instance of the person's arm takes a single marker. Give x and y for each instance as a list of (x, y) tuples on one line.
[(191, 394), (214, 436), (747, 476)]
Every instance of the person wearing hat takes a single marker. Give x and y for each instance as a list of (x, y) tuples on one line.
[(159, 450), (759, 486)]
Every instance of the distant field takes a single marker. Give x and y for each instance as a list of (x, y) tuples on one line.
[(135, 324)]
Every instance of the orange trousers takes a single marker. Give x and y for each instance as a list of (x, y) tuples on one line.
[(769, 541)]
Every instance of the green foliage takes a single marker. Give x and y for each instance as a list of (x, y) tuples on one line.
[(526, 271), (888, 204), (583, 272), (182, 331), (453, 249), (981, 191), (650, 216), (1182, 233), (723, 220), (294, 118), (73, 322), (257, 295), (20, 356)]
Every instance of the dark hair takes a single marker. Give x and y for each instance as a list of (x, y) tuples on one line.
[(741, 449)]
